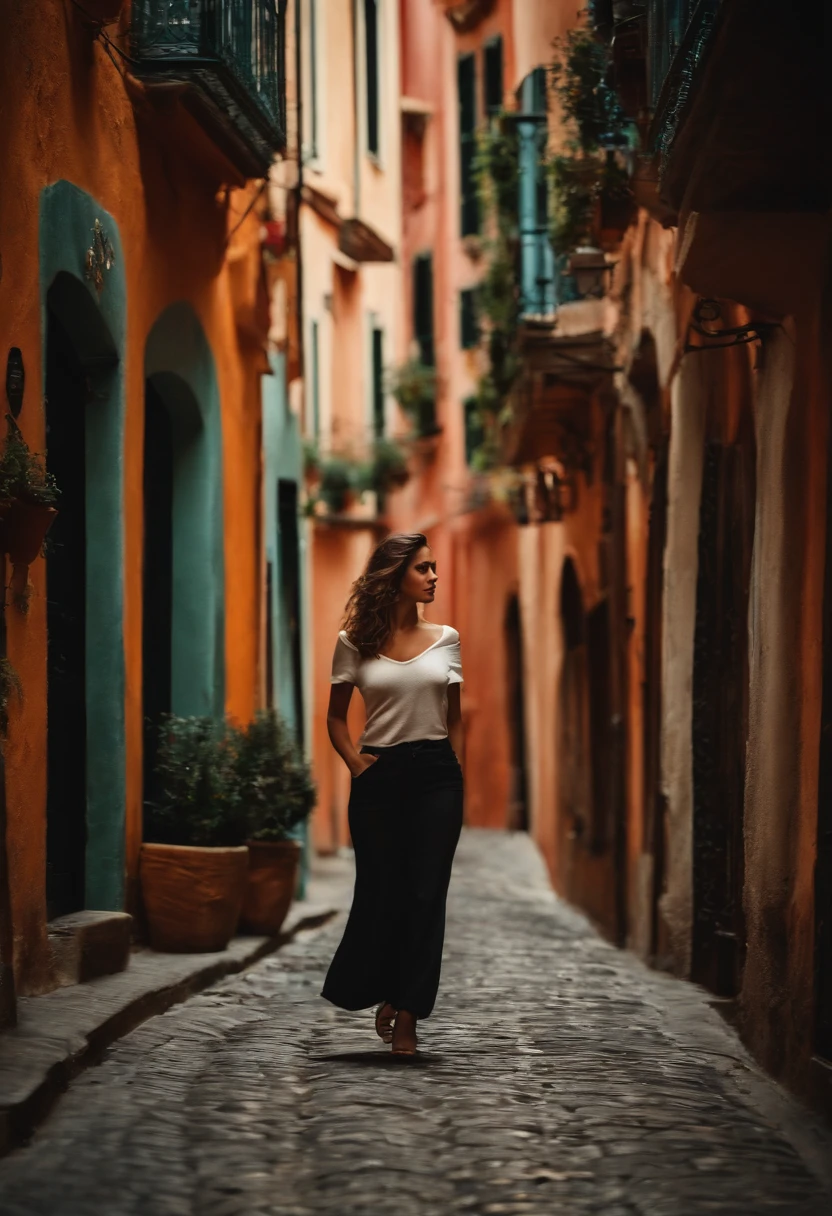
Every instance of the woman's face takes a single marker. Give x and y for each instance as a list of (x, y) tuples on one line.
[(419, 582)]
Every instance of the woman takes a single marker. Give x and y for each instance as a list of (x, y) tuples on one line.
[(405, 811)]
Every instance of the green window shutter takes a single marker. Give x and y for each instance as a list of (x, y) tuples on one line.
[(315, 385), (378, 383), (467, 88), (469, 331), (493, 57), (474, 433), (371, 46), (423, 307)]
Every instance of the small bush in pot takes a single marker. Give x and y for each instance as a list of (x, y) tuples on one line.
[(275, 789), (194, 864)]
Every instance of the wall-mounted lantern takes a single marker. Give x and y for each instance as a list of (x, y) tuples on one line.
[(589, 267), (100, 256)]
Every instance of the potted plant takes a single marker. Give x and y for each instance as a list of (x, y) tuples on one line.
[(194, 866), (275, 789), (387, 468), (335, 485), (414, 386), (27, 498)]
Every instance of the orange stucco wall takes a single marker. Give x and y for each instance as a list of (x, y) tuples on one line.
[(69, 112)]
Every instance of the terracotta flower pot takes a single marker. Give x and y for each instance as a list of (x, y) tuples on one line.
[(192, 896), (272, 878), (25, 526)]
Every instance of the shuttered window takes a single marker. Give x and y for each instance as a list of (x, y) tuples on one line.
[(469, 332), (371, 48), (474, 433), (467, 89), (493, 63), (315, 378), (378, 382), (423, 307)]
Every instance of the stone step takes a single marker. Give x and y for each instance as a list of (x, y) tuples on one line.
[(86, 945)]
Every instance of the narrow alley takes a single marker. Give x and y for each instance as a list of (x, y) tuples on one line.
[(558, 1076)]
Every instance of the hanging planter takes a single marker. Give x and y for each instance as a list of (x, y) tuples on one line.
[(28, 494), (24, 530)]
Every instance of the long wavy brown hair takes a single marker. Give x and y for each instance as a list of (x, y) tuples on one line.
[(368, 617)]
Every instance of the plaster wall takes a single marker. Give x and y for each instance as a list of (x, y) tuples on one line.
[(69, 114)]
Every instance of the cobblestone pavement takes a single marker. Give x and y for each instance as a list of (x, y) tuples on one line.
[(557, 1075)]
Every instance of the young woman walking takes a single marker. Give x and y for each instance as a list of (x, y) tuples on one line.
[(405, 811)]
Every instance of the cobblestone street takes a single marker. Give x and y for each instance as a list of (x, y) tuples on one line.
[(557, 1075)]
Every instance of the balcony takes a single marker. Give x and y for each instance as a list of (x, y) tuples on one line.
[(740, 95), (228, 57)]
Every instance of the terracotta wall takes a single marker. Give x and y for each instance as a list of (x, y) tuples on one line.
[(70, 112)]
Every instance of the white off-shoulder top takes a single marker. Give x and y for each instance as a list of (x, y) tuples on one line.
[(407, 699)]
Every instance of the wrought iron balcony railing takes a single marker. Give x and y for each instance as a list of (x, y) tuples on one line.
[(231, 54), (679, 33)]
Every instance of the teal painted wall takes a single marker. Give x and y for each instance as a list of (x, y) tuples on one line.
[(283, 460), (67, 215), (179, 362)]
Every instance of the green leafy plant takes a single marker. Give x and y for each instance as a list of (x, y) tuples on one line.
[(414, 386), (588, 178), (23, 473), (272, 781), (386, 468), (337, 481), (197, 798), (497, 169), (590, 105), (10, 686)]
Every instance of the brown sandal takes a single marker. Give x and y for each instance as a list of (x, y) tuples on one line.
[(384, 1025)]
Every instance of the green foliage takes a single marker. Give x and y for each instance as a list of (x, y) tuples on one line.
[(498, 171), (580, 183), (196, 801), (587, 173), (386, 469), (590, 106), (9, 686), (311, 458), (272, 781), (220, 785), (414, 386), (23, 474), (337, 481)]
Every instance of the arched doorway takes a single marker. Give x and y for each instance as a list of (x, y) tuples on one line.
[(183, 634), (720, 712), (575, 786), (80, 358), (517, 818)]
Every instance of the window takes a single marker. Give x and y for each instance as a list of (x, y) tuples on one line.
[(423, 307), (474, 433), (315, 381), (371, 51), (469, 331), (313, 77), (378, 382), (537, 262), (493, 56), (467, 89)]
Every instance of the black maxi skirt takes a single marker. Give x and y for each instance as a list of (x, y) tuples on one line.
[(405, 817)]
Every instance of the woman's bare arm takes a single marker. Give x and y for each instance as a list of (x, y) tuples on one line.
[(455, 722), (339, 736)]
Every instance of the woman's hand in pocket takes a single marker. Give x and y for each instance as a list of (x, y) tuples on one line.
[(366, 760)]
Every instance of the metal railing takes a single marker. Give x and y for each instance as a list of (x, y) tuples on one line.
[(244, 37), (679, 33)]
